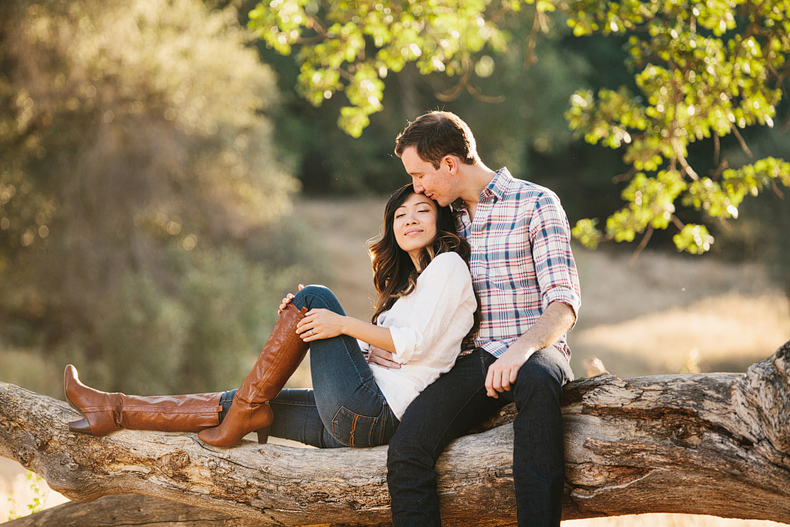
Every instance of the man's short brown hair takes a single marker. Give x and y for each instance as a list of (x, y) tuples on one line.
[(437, 134)]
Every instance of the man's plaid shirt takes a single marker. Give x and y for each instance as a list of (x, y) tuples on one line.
[(521, 259)]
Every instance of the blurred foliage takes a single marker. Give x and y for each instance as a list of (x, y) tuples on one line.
[(761, 233), (140, 191), (517, 113), (436, 35), (700, 71)]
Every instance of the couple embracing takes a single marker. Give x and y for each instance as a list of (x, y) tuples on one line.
[(477, 288)]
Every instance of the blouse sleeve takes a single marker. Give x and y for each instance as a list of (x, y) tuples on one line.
[(444, 287)]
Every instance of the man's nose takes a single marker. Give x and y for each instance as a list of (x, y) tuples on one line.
[(418, 188)]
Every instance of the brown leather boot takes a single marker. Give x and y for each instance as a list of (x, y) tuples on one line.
[(107, 412), (281, 355)]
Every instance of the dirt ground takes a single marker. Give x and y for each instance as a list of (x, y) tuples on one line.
[(660, 314)]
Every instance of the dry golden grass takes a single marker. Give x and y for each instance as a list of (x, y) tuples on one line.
[(668, 520), (644, 318), (31, 370), (719, 333), (653, 315)]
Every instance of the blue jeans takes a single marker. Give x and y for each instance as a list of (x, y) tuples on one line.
[(457, 402), (345, 406)]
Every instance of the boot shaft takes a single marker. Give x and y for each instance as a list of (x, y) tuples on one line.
[(282, 354), (171, 413), (106, 412)]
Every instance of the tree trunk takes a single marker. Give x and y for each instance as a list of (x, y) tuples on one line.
[(715, 444), (129, 510)]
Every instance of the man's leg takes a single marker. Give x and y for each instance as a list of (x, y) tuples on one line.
[(450, 406), (538, 453)]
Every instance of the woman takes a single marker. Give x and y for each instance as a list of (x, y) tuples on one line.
[(426, 307)]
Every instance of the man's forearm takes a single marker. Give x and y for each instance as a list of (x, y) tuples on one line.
[(552, 324), (548, 328)]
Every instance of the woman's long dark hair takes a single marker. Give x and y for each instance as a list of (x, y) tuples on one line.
[(394, 274)]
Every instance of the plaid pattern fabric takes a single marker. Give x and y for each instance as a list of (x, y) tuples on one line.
[(521, 259)]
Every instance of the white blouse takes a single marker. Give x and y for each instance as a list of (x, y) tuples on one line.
[(427, 327)]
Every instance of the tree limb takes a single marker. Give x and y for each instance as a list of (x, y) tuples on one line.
[(129, 510), (715, 444)]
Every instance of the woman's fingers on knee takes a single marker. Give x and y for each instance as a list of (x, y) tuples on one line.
[(307, 320), (302, 329), (285, 302)]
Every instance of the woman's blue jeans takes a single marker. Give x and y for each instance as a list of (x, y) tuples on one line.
[(345, 406)]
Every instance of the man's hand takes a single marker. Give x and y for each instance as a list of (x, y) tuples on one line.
[(552, 324), (503, 372), (382, 358)]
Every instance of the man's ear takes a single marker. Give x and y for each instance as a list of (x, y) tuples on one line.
[(452, 163)]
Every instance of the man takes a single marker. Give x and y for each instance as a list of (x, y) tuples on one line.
[(525, 276)]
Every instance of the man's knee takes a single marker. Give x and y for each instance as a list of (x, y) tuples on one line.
[(543, 375)]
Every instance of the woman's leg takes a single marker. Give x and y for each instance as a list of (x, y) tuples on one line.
[(348, 402), (295, 418), (281, 355), (106, 412), (345, 407)]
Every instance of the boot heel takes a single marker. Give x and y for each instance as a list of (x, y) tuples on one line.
[(263, 435), (82, 426)]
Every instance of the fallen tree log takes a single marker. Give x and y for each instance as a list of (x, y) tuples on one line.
[(716, 444), (129, 510)]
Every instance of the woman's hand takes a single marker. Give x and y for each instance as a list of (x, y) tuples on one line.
[(320, 324), (287, 300), (382, 358)]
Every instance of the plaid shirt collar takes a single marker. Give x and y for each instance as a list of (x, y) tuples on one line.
[(498, 186), (495, 190)]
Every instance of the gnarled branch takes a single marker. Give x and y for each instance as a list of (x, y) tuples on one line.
[(714, 444)]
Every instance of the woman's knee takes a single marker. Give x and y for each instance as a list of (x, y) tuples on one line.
[(317, 296), (314, 291)]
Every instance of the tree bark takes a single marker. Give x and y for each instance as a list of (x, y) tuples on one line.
[(129, 510), (716, 444)]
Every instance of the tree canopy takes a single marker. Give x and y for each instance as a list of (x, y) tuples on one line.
[(700, 71)]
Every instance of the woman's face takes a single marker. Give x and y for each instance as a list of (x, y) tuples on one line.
[(414, 224)]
